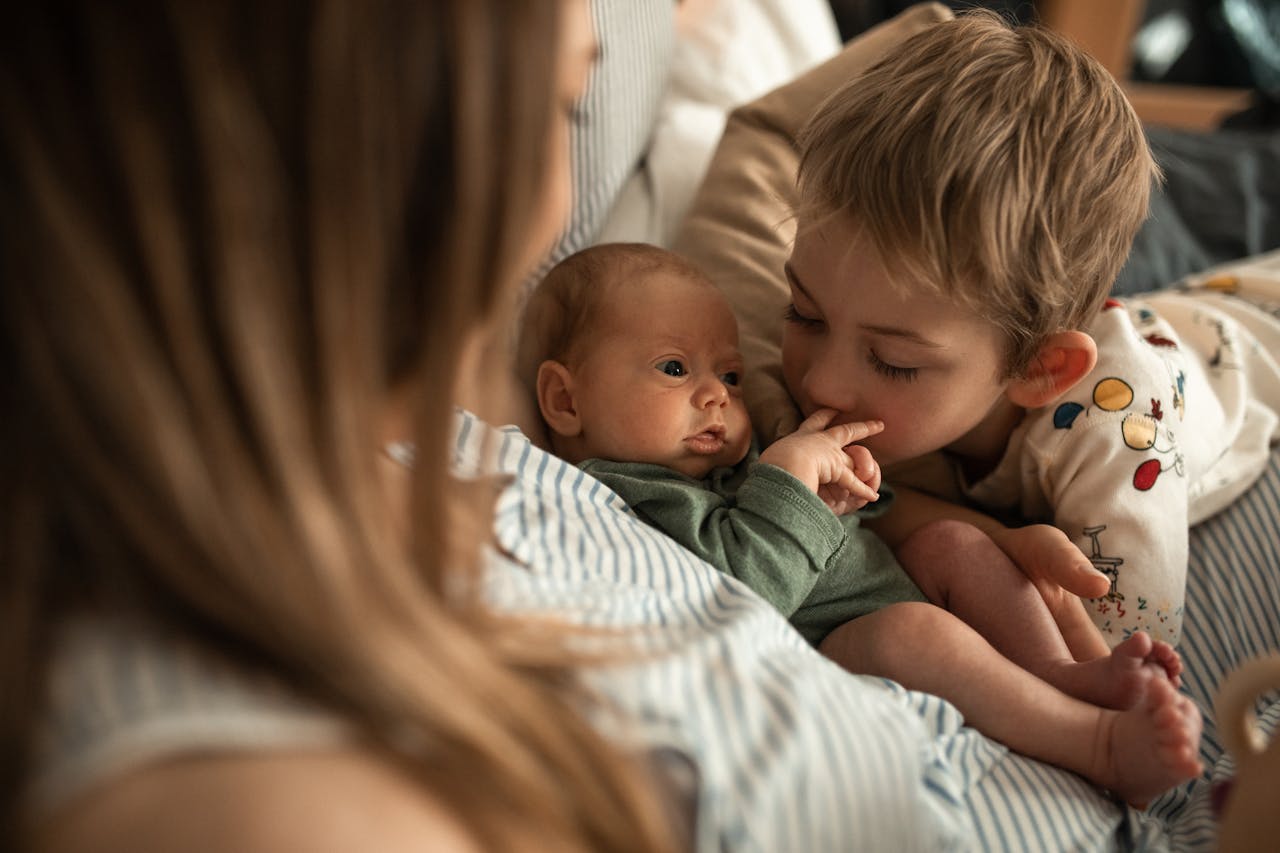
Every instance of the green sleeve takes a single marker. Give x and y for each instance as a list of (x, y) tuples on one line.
[(774, 535)]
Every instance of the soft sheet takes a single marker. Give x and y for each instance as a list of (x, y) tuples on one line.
[(791, 753)]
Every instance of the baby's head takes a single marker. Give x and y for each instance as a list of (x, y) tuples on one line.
[(998, 171), (632, 354)]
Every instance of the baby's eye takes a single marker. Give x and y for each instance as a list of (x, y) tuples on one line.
[(730, 378), (672, 367)]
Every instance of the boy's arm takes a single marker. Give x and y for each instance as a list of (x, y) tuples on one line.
[(1127, 510), (1043, 552), (775, 535)]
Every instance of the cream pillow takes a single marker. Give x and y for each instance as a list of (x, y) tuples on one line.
[(727, 53)]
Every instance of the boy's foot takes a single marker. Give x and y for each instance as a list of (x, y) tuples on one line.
[(1120, 679), (1149, 748)]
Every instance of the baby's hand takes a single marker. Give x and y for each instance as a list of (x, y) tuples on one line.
[(845, 477), (866, 474)]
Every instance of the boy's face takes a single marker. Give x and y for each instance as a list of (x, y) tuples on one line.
[(870, 348), (659, 381)]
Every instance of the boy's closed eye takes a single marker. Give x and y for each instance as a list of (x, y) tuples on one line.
[(793, 315), (891, 371)]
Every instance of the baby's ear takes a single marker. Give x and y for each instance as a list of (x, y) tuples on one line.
[(555, 399), (1063, 360)]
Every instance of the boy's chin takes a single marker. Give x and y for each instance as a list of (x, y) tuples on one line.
[(895, 461), (885, 456)]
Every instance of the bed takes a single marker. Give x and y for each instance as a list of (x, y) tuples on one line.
[(777, 748)]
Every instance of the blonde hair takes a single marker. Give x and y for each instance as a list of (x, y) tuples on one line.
[(227, 232), (1000, 166), (564, 310)]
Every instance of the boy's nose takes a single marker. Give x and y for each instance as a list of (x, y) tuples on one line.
[(826, 386)]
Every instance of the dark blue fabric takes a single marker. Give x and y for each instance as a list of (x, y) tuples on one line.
[(1220, 201)]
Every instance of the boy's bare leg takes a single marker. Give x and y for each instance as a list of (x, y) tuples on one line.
[(1083, 637), (1136, 753), (959, 568)]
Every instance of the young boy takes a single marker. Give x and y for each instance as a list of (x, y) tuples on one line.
[(965, 206), (633, 357)]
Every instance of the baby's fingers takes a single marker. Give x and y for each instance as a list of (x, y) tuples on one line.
[(864, 465), (845, 434), (817, 421), (836, 498), (862, 492)]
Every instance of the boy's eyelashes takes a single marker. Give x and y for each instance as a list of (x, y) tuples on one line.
[(792, 315), (891, 371), (884, 368)]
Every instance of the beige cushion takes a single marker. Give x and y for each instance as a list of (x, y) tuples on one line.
[(739, 228)]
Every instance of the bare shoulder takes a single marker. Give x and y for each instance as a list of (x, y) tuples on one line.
[(322, 801)]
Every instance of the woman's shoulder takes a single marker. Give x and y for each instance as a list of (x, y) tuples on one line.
[(123, 698), (151, 743), (336, 799)]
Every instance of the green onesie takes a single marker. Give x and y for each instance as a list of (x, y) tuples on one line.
[(763, 526)]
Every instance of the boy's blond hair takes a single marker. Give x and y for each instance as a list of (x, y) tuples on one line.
[(1000, 166), (565, 308)]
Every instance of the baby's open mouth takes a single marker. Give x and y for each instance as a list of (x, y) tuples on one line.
[(710, 440)]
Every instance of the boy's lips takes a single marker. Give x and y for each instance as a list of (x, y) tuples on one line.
[(709, 441)]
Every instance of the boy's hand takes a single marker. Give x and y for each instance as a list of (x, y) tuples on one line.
[(1062, 575), (845, 477), (1052, 562)]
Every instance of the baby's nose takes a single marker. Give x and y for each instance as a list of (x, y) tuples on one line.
[(713, 392)]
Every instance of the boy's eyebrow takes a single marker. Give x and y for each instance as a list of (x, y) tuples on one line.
[(894, 331), (906, 334), (794, 280)]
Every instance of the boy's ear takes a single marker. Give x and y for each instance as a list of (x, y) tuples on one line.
[(555, 399), (1063, 360)]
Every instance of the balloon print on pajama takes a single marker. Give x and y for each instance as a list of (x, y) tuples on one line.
[(1139, 430)]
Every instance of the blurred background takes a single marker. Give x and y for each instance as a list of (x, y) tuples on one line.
[(1204, 77), (1215, 61)]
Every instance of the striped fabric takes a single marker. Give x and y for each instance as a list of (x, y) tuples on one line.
[(788, 751), (1233, 615), (791, 752)]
